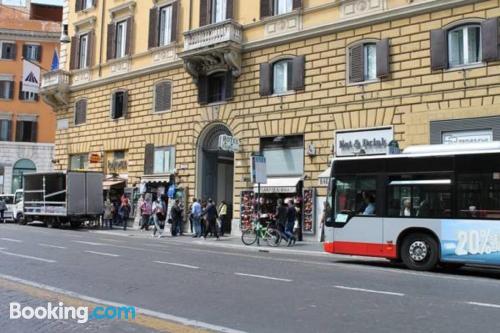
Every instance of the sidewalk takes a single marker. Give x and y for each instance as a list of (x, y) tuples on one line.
[(228, 242)]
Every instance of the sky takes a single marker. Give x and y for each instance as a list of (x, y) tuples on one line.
[(22, 2)]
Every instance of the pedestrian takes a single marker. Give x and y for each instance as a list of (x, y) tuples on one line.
[(176, 214), (108, 214), (158, 216), (146, 209), (222, 211), (3, 208), (124, 212), (281, 218), (211, 217), (327, 211), (196, 216), (290, 222)]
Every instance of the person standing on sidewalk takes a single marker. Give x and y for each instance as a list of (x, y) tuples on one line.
[(211, 216), (281, 218), (290, 217), (3, 208), (124, 212), (196, 216), (222, 209), (146, 209), (176, 214), (158, 216), (108, 214)]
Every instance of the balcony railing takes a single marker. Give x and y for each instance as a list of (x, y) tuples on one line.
[(226, 31), (54, 79), (55, 88)]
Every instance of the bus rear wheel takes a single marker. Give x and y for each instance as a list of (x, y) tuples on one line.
[(419, 252)]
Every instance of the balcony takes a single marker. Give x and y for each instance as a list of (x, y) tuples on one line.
[(55, 88), (213, 46)]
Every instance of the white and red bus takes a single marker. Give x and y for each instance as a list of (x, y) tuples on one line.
[(430, 205)]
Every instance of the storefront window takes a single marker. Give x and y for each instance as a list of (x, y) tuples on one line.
[(284, 155), (164, 160), (79, 162), (21, 167)]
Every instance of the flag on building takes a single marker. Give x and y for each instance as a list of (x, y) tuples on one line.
[(31, 77), (55, 61)]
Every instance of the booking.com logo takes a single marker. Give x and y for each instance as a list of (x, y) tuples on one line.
[(81, 314)]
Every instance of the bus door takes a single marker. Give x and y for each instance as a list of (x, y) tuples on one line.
[(358, 230)]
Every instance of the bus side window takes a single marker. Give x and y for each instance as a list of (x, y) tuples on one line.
[(356, 195), (478, 196)]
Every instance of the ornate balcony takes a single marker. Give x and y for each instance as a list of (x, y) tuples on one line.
[(55, 88), (212, 47)]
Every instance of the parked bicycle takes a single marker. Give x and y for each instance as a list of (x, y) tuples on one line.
[(258, 231)]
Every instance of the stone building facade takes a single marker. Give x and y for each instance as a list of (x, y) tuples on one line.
[(335, 88)]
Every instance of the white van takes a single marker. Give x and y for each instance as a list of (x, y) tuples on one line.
[(10, 202)]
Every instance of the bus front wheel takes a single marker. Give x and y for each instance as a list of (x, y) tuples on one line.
[(419, 252)]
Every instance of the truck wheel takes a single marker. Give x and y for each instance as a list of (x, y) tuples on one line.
[(54, 223), (20, 219), (420, 252)]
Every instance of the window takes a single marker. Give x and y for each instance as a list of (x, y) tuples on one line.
[(119, 104), (84, 4), (165, 25), (32, 52), (8, 50), (218, 10), (464, 45), (363, 62), (356, 195), (79, 162), (81, 112), (84, 49), (164, 160), (5, 130), (422, 197), (284, 155), (282, 6), (370, 61), (282, 75), (478, 196), (20, 168), (27, 95), (26, 131), (88, 3), (116, 162), (121, 39), (6, 89), (217, 87), (163, 96)]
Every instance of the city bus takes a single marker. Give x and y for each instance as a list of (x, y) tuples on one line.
[(426, 206)]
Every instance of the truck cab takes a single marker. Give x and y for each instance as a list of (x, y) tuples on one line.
[(18, 207)]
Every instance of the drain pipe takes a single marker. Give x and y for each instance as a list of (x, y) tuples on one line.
[(103, 3)]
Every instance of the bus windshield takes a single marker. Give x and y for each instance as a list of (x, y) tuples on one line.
[(356, 195)]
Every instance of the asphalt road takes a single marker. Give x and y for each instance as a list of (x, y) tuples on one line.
[(230, 289)]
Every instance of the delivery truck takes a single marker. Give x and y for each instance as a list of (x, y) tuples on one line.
[(56, 198)]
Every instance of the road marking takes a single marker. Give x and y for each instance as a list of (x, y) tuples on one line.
[(176, 264), (27, 257), (264, 277), (370, 291), (11, 240), (157, 321), (103, 254), (111, 240), (89, 243), (487, 305), (51, 246)]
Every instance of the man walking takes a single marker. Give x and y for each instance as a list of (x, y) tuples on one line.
[(146, 209), (211, 216), (196, 216), (3, 208), (291, 216), (222, 216), (176, 214), (158, 215)]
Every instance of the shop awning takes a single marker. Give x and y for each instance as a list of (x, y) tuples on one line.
[(279, 185), (324, 177), (109, 183), (164, 178)]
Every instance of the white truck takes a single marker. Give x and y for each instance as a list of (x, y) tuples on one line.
[(55, 198)]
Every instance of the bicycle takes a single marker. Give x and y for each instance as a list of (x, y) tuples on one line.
[(268, 233)]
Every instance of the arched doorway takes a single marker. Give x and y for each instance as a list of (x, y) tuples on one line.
[(21, 167), (215, 169)]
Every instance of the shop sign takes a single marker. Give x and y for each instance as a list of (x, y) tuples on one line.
[(229, 143), (95, 158), (117, 166), (459, 137), (363, 142), (278, 189), (258, 169)]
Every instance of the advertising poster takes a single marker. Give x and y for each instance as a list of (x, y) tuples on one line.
[(471, 241)]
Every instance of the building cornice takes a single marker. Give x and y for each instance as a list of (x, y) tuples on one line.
[(29, 35)]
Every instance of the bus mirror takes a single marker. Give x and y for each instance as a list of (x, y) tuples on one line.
[(329, 223)]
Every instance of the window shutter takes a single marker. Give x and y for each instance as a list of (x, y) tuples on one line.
[(204, 12), (175, 20), (75, 49), (163, 96), (298, 73), (439, 49), (25, 51), (19, 131), (11, 91), (229, 86), (113, 105), (149, 159), (202, 90), (265, 79), (266, 8), (153, 27), (229, 9), (14, 51), (78, 5), (297, 4), (356, 63), (39, 53), (34, 127), (80, 112), (9, 130), (130, 30), (90, 48), (111, 42), (125, 104), (490, 39), (383, 57), (21, 97)]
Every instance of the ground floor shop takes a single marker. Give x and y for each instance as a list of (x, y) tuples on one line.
[(18, 158)]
